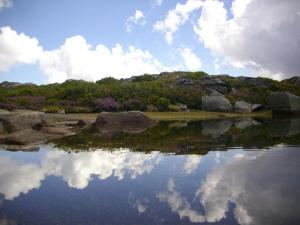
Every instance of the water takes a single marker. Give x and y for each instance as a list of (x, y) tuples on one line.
[(213, 172)]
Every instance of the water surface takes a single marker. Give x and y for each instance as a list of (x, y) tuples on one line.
[(210, 172)]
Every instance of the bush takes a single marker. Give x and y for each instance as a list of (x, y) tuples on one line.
[(174, 108), (162, 104), (77, 109), (107, 104), (53, 109)]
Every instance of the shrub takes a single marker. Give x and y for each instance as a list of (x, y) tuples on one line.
[(52, 109), (107, 104), (162, 104), (77, 109)]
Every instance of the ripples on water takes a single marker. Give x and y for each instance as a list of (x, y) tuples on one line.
[(218, 172)]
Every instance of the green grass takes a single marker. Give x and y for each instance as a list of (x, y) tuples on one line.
[(203, 115)]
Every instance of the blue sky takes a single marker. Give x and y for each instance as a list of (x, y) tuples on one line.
[(104, 23)]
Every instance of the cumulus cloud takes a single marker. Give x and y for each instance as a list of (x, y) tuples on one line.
[(263, 35), (176, 18), (76, 169), (191, 60), (17, 49), (5, 4), (76, 59), (137, 18)]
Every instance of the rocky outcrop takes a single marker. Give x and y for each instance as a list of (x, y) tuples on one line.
[(27, 128), (130, 122), (254, 81), (215, 83), (216, 102), (20, 120), (7, 84), (242, 107), (284, 102), (293, 80)]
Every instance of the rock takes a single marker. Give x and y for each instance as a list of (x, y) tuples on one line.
[(216, 103), (242, 107), (257, 107), (129, 122), (182, 107), (7, 84), (284, 102), (215, 83), (184, 81), (59, 131), (293, 80), (23, 137), (81, 123), (20, 120), (254, 81)]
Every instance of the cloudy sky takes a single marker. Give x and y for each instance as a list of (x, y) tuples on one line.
[(54, 40)]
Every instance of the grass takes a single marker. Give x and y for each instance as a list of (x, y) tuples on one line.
[(203, 115)]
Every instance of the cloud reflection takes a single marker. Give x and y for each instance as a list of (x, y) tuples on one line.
[(74, 168)]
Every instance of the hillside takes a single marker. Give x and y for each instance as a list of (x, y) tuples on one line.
[(174, 91)]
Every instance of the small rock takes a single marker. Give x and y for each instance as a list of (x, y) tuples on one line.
[(257, 107), (81, 123)]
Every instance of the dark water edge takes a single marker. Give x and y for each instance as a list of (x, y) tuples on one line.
[(241, 171)]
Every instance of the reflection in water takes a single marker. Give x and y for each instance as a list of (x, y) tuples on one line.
[(195, 137), (126, 182), (263, 192), (75, 169)]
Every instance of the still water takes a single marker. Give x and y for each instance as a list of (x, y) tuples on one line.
[(242, 171)]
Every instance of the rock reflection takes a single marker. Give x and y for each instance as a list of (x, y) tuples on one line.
[(74, 168)]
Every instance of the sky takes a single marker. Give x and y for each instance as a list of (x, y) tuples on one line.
[(54, 40)]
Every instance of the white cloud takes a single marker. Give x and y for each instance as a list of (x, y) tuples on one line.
[(17, 49), (260, 34), (5, 4), (76, 59), (176, 18), (137, 18), (191, 60), (158, 2)]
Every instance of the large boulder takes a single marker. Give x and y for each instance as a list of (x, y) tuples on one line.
[(242, 107), (20, 120), (216, 103), (129, 122), (284, 102)]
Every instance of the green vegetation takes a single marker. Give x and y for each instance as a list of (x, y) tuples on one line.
[(163, 92)]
